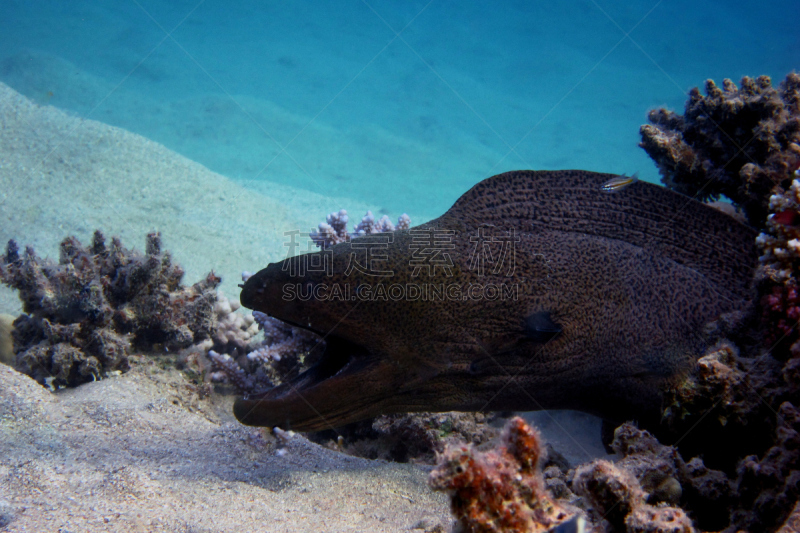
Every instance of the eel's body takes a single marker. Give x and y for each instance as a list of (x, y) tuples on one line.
[(555, 295)]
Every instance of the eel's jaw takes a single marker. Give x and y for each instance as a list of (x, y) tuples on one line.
[(344, 386)]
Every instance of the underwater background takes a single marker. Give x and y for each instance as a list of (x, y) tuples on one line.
[(226, 126), (404, 105), (303, 108)]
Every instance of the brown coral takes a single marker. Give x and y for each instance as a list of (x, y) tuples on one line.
[(500, 490), (723, 404), (618, 499), (770, 486), (735, 141), (83, 313), (667, 479)]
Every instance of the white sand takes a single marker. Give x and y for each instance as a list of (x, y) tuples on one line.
[(61, 175), (130, 453), (140, 452)]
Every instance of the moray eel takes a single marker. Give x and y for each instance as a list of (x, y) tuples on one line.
[(537, 290)]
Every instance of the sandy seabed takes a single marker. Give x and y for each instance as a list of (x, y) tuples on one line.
[(141, 451), (61, 175)]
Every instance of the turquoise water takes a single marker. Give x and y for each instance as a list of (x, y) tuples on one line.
[(401, 104)]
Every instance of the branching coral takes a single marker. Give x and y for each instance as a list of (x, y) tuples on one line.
[(500, 490), (779, 272), (742, 142), (83, 314), (735, 141), (283, 353), (334, 230)]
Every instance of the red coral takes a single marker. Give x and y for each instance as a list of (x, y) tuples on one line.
[(781, 312), (777, 275), (500, 490)]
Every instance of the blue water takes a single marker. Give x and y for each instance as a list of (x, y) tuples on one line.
[(401, 104)]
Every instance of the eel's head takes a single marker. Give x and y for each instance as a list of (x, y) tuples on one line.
[(614, 292), (378, 355)]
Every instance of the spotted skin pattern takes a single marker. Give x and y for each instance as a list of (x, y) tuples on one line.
[(606, 297)]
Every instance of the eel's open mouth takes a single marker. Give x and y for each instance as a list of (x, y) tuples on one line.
[(320, 397)]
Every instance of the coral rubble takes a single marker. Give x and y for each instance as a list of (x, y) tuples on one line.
[(500, 490), (334, 230), (83, 315), (409, 437), (735, 141)]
